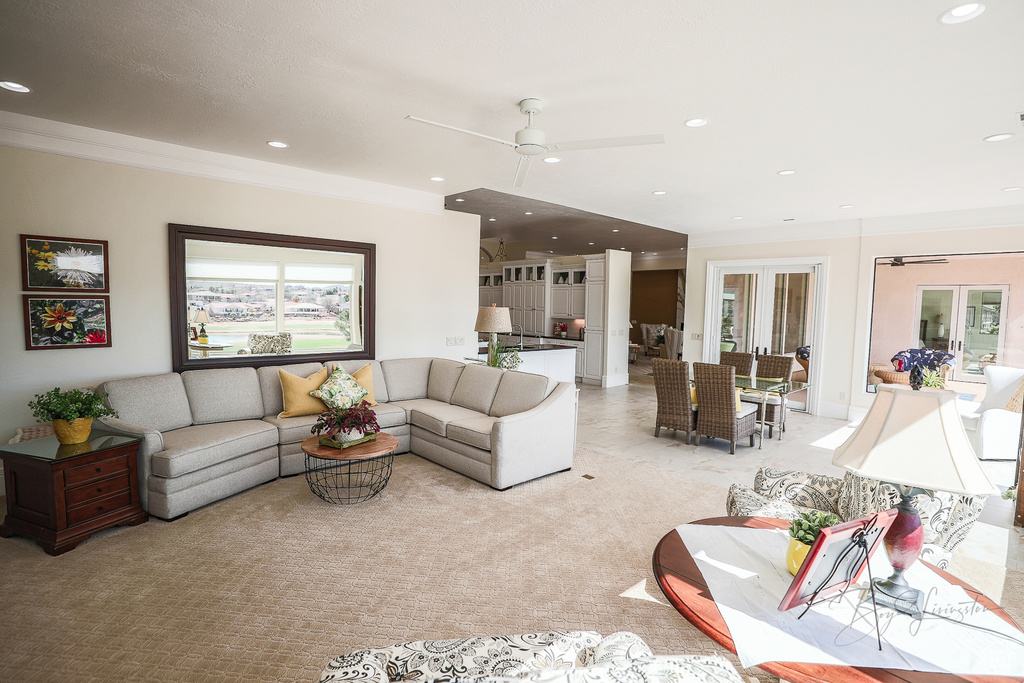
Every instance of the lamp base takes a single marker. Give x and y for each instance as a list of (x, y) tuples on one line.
[(896, 594)]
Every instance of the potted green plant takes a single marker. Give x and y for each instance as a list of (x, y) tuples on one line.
[(933, 380), (501, 356), (802, 533), (71, 412), (343, 427)]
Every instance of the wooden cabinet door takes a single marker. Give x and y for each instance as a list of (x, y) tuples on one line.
[(561, 302)]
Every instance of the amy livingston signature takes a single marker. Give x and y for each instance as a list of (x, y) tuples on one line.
[(863, 621)]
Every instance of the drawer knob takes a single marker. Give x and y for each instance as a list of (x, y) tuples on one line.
[(100, 508), (99, 490), (99, 469)]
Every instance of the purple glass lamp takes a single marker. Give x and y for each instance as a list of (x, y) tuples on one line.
[(914, 440)]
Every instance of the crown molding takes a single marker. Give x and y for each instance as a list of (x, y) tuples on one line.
[(44, 135)]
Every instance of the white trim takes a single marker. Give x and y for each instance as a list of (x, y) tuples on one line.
[(43, 135), (615, 380)]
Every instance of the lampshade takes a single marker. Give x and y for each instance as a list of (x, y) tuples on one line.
[(493, 319), (201, 317), (915, 438)]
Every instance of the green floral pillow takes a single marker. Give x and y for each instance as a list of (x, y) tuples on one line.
[(340, 390)]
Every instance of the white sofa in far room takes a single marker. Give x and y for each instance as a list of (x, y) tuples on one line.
[(995, 431)]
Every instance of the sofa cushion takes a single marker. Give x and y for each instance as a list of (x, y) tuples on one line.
[(297, 391), (390, 415), (292, 429), (474, 431), (340, 390), (223, 394), (444, 375), (434, 416), (270, 383), (190, 449), (406, 378), (378, 388), (518, 392), (156, 401), (476, 388)]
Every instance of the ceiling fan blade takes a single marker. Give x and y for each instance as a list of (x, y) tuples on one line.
[(524, 166), (461, 130), (599, 143)]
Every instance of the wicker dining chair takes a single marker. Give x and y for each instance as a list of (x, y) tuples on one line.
[(672, 388), (743, 362), (717, 416), (772, 366)]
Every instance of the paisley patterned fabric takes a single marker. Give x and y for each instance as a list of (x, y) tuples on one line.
[(799, 488), (553, 657), (745, 502), (929, 359), (274, 344)]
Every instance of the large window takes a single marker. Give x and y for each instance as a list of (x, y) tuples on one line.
[(243, 284)]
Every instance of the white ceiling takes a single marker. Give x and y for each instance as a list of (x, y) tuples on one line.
[(874, 103)]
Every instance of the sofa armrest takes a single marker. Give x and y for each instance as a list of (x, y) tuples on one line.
[(997, 434), (802, 489), (535, 442), (152, 442)]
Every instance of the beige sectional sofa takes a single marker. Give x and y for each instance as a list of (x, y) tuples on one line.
[(208, 434)]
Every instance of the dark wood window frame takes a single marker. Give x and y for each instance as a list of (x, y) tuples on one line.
[(178, 234)]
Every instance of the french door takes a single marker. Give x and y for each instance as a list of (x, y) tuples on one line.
[(765, 307), (965, 320)]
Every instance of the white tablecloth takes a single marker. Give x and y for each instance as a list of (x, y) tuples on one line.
[(746, 572)]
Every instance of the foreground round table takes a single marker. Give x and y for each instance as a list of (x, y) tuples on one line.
[(683, 584), (349, 475)]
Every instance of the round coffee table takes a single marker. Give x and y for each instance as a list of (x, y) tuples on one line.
[(683, 584), (349, 475)]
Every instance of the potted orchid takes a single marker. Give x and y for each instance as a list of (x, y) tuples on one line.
[(342, 427)]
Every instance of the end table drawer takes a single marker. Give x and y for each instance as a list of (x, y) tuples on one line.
[(96, 470), (98, 508), (97, 489)]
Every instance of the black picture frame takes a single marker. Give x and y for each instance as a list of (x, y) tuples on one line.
[(64, 264)]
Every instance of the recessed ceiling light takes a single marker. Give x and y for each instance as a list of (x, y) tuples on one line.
[(550, 252), (1010, 189), (551, 160), (787, 172), (659, 192), (590, 243), (529, 213), (962, 13), (615, 229), (437, 178), (14, 87), (643, 252), (654, 253), (621, 247), (492, 219), (460, 199), (554, 237), (277, 143), (998, 137), (696, 123), (737, 218), (846, 206)]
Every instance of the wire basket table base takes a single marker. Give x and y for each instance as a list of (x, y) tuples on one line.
[(348, 481)]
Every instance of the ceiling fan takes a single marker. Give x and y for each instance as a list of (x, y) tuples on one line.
[(897, 261), (530, 141)]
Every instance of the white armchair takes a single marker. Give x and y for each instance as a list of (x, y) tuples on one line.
[(993, 429)]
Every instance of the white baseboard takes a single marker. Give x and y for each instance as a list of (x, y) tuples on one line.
[(615, 380)]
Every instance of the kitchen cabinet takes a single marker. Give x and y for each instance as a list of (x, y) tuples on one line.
[(568, 292)]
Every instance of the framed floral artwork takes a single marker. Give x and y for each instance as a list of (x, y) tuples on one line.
[(66, 321), (60, 263)]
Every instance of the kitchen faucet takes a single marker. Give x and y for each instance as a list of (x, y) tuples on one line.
[(514, 326)]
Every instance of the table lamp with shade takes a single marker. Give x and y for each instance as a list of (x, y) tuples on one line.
[(492, 320), (914, 440), (202, 317)]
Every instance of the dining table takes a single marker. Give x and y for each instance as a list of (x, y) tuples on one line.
[(765, 387)]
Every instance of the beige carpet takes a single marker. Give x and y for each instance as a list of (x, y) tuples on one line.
[(273, 582)]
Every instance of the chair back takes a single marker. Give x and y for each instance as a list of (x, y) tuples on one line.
[(772, 366), (743, 362), (716, 391), (663, 352), (672, 388), (1001, 384), (674, 342)]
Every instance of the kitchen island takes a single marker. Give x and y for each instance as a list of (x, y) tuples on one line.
[(551, 360)]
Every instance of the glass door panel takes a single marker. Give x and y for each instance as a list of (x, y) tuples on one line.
[(792, 306), (965, 320), (739, 297), (982, 335)]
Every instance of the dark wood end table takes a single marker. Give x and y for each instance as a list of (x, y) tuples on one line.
[(349, 475), (683, 584), (59, 495)]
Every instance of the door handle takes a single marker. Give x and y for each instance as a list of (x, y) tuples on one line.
[(959, 346)]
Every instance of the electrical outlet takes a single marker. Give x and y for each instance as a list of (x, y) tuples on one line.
[(460, 341), (842, 395), (696, 336), (451, 341)]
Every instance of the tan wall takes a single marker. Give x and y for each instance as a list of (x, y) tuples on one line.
[(426, 263), (848, 295)]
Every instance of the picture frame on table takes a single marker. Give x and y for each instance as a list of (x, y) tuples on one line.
[(64, 263), (831, 564), (66, 321), (194, 333)]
